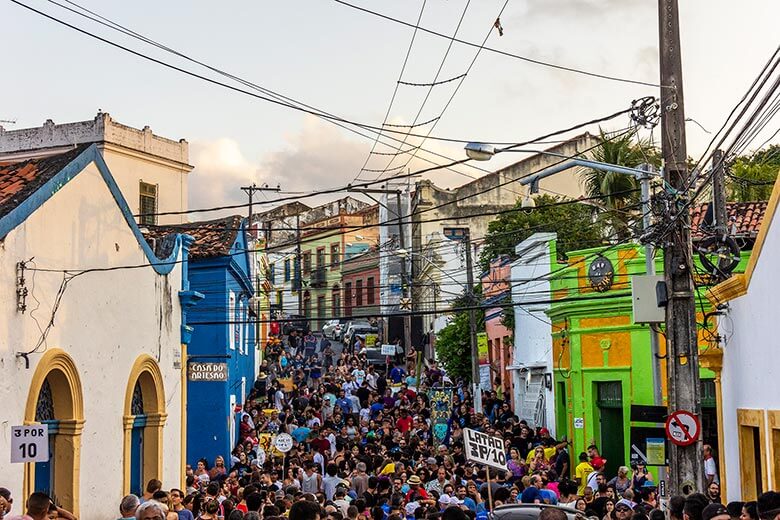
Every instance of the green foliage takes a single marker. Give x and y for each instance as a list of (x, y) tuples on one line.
[(613, 187), (572, 222), (752, 177), (453, 347)]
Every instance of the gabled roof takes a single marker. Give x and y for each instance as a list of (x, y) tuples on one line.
[(746, 217), (213, 238), (26, 185), (19, 180)]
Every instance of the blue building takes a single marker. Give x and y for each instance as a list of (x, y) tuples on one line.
[(221, 354)]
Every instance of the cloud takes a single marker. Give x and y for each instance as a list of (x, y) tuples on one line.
[(220, 170)]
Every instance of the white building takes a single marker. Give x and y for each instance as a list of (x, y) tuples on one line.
[(748, 370), (97, 353), (532, 365)]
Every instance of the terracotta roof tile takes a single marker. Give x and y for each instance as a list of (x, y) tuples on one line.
[(19, 180), (745, 216), (213, 238)]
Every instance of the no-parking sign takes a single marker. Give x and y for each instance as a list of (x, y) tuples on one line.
[(683, 428)]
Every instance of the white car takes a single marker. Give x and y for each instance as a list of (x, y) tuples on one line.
[(332, 329)]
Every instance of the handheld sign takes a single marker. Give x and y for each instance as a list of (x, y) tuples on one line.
[(683, 428), (484, 449), (30, 443), (283, 442), (388, 350)]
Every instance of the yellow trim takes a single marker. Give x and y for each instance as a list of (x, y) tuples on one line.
[(183, 384), (713, 359), (746, 421), (774, 447), (737, 285), (69, 410), (147, 373)]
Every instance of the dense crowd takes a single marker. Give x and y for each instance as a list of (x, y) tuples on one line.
[(368, 444)]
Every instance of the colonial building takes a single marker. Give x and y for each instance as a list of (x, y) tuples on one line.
[(222, 352), (360, 280), (474, 205), (95, 330)]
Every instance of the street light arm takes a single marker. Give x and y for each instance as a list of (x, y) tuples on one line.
[(585, 163)]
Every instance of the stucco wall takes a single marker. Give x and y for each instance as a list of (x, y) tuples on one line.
[(751, 373), (106, 320)]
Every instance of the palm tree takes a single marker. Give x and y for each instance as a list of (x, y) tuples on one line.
[(618, 190)]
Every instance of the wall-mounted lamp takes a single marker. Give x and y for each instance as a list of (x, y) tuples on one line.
[(548, 380)]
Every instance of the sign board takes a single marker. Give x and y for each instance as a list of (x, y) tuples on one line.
[(484, 378), (579, 423), (388, 350), (283, 442), (683, 428), (482, 348), (30, 443), (371, 340), (648, 446), (649, 413), (208, 371), (484, 449)]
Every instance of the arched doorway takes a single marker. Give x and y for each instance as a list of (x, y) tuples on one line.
[(55, 398), (144, 418)]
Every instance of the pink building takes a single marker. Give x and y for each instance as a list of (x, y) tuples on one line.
[(496, 289)]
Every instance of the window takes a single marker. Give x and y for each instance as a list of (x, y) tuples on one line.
[(321, 258), (335, 301), (359, 293), (279, 298), (231, 317), (307, 262), (752, 437), (334, 255), (272, 273), (348, 299), (147, 203), (320, 311), (286, 269), (307, 304), (370, 291)]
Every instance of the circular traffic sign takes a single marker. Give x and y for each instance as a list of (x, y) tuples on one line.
[(283, 442), (683, 428)]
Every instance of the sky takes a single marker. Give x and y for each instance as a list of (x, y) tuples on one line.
[(347, 63)]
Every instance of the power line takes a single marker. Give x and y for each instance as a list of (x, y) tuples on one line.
[(500, 52)]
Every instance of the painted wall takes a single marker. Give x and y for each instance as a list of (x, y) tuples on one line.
[(751, 373), (105, 321), (532, 335), (496, 287), (211, 413)]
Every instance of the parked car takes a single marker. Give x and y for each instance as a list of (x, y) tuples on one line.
[(531, 512), (295, 322), (333, 329)]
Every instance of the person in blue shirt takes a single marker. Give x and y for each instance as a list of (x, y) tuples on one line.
[(397, 374), (344, 403), (301, 433), (531, 494)]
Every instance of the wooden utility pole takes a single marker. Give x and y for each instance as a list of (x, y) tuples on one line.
[(687, 473), (405, 281), (719, 211)]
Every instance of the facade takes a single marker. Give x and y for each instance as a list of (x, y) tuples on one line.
[(360, 282), (475, 205), (311, 282), (112, 368), (746, 369), (224, 337), (151, 171), (496, 290), (533, 396)]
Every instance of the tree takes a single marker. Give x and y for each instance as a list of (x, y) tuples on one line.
[(751, 177), (572, 222), (615, 189), (453, 346)]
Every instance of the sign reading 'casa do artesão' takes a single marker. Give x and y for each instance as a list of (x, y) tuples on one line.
[(208, 372)]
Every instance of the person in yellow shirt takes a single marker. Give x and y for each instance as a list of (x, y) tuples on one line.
[(581, 473)]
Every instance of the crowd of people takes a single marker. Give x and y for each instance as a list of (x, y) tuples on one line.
[(365, 447)]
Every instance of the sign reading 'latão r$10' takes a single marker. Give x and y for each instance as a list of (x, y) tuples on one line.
[(208, 372)]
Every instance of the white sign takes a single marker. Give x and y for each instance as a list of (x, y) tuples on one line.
[(484, 449), (208, 372), (388, 350), (579, 423), (30, 443), (283, 442), (484, 378)]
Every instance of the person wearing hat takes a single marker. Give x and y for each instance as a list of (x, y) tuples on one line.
[(715, 511), (416, 491), (624, 508)]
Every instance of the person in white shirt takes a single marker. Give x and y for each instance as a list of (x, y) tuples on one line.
[(710, 469), (360, 375)]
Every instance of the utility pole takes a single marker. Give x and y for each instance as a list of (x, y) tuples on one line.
[(687, 473), (719, 194), (404, 275), (298, 274)]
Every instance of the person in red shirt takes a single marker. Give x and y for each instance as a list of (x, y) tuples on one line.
[(596, 460), (416, 491), (405, 422)]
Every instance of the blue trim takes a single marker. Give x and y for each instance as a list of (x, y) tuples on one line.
[(494, 315), (20, 213), (497, 298), (139, 421)]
